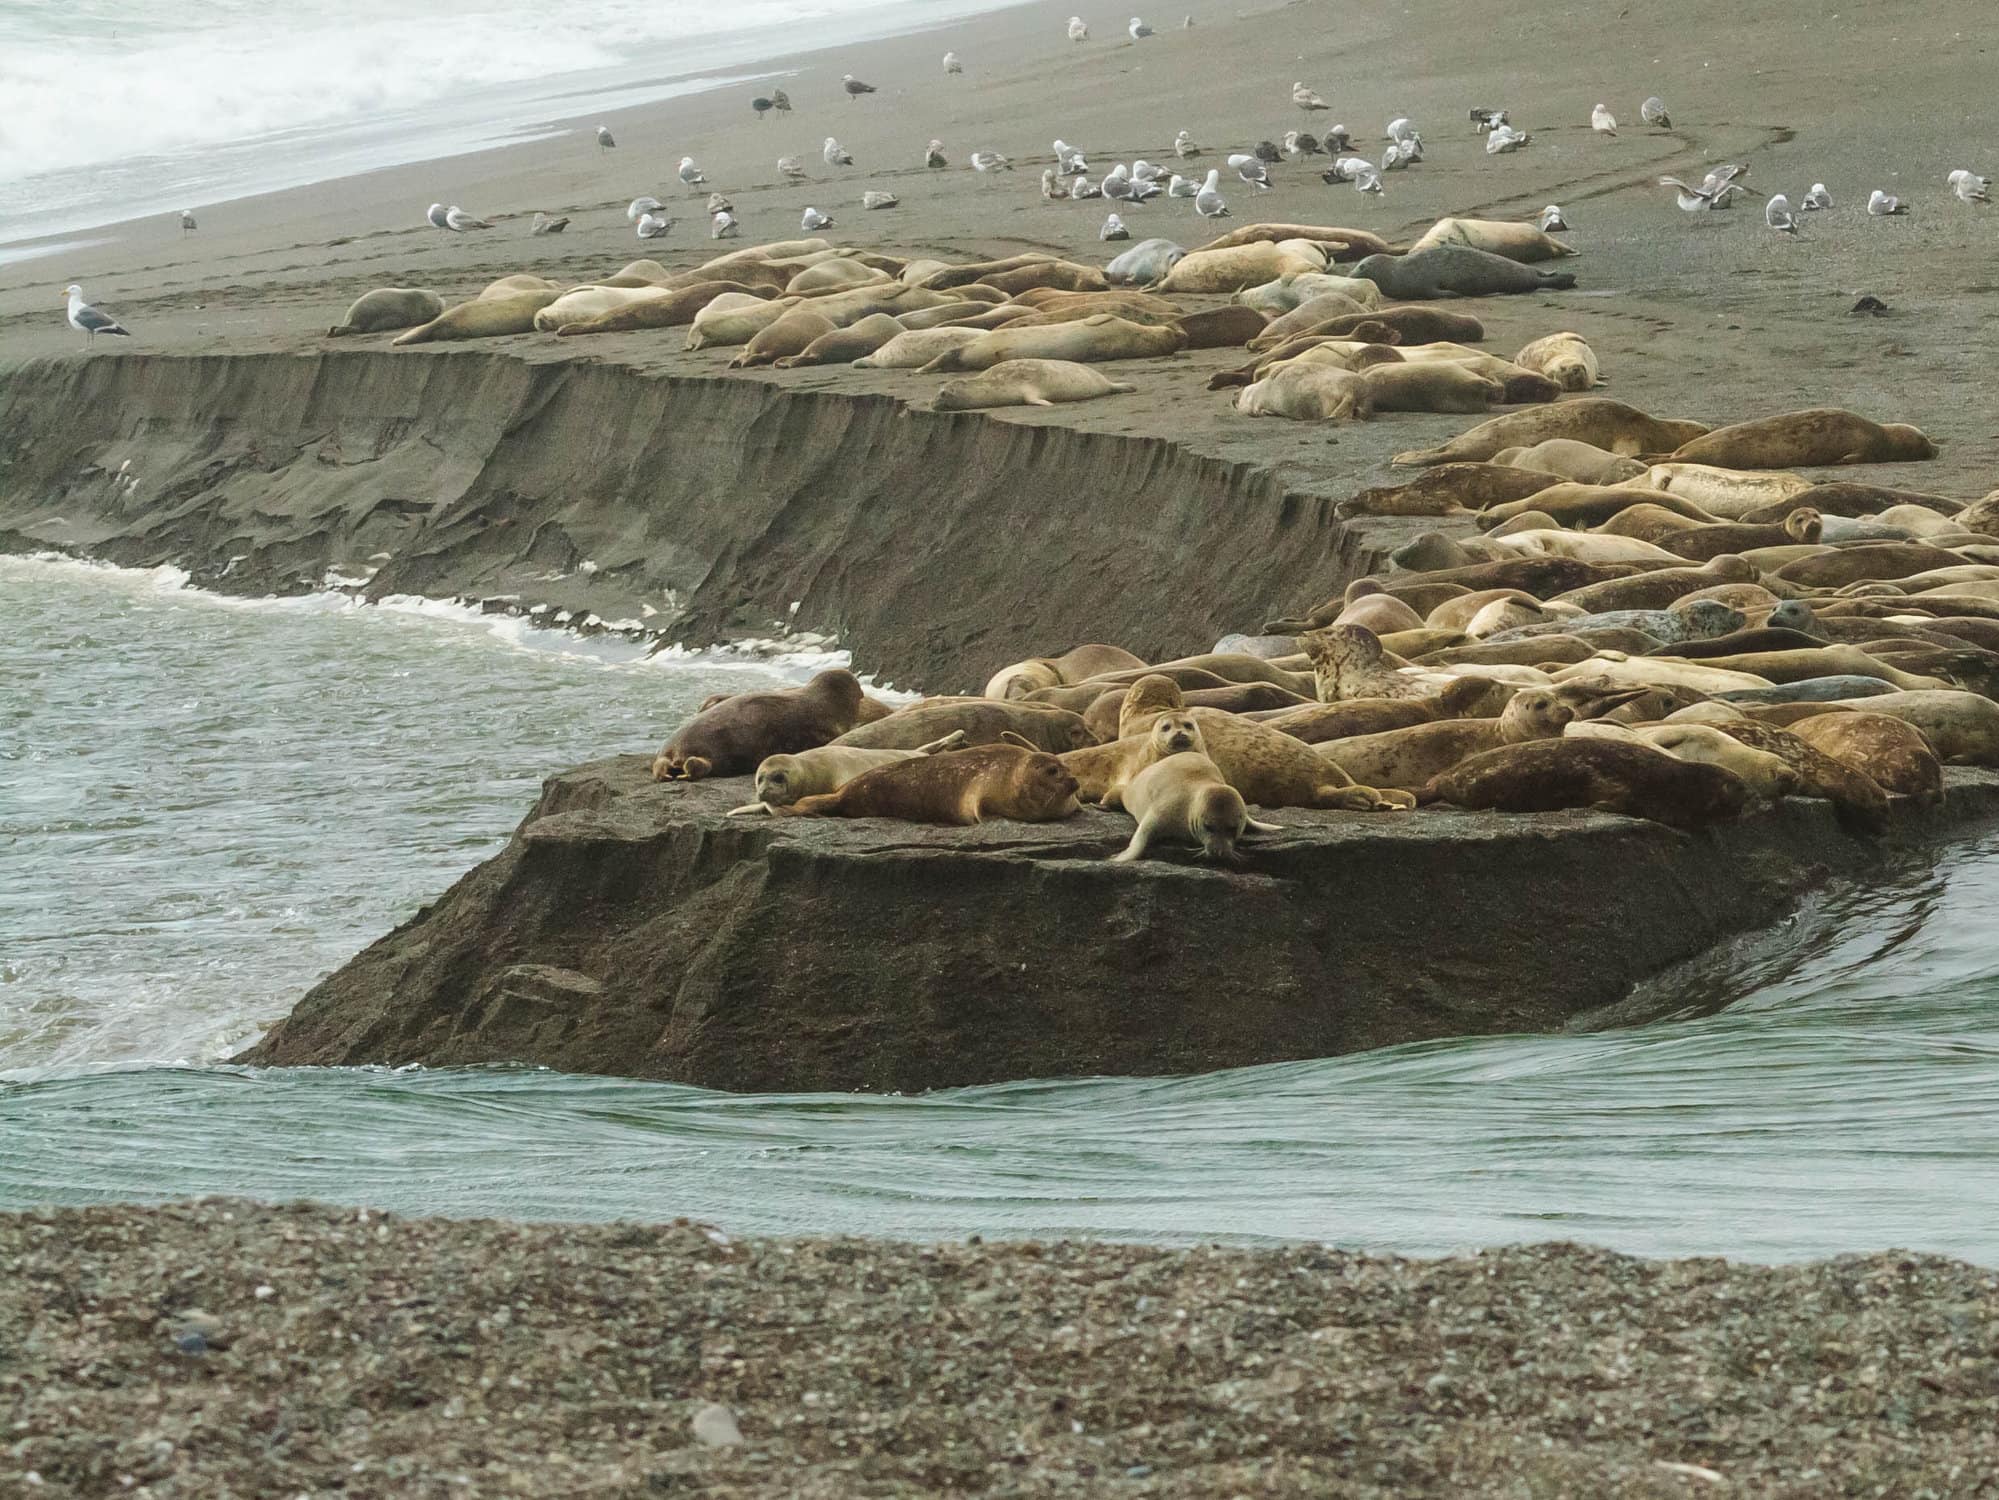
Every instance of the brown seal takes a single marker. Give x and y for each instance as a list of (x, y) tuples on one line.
[(1433, 385), (1866, 561), (1221, 327), (1347, 663), (1269, 768), (732, 736), (984, 721), (1803, 439), (1078, 664), (1857, 799), (845, 345), (1596, 420), (1342, 244), (1446, 490), (1611, 776), (1061, 274), (1414, 757), (1408, 323), (1316, 723), (1699, 543), (1572, 503), (959, 786), (1655, 588), (1892, 754), (1103, 716), (1183, 797)]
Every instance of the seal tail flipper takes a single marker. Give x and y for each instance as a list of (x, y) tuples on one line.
[(1121, 388), (1008, 737), (1035, 401), (1141, 837), (950, 741), (1252, 826), (751, 810)]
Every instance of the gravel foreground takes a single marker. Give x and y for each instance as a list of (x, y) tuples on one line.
[(224, 1349)]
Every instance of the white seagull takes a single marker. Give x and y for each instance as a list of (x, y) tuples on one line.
[(1117, 183), (1138, 29), (873, 199), (1182, 187), (1208, 201), (1307, 99), (1503, 138), (1602, 121), (87, 320), (654, 227), (640, 206), (605, 141), (1083, 188), (1969, 187), (435, 214), (951, 63), (1882, 204), (723, 226), (1653, 112), (1552, 219), (1114, 229), (1144, 171), (1694, 200), (836, 155), (933, 155), (1068, 160), (717, 203), (1050, 188), (691, 174), (1078, 32), (990, 161), (458, 221), (812, 220), (187, 224), (1250, 170), (1818, 197), (1777, 214), (1184, 147), (791, 169)]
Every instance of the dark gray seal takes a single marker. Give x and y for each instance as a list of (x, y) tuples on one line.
[(1810, 690), (1456, 269)]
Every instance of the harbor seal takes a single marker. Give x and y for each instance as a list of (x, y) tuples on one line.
[(666, 308), (1347, 663), (583, 302), (732, 737), (1341, 244), (1105, 714), (1575, 504), (1458, 270), (1436, 386), (1028, 382), (1700, 543), (1446, 490), (1765, 775), (1526, 243), (1306, 317), (790, 334), (1890, 753), (983, 721), (843, 346), (1307, 393), (1637, 781), (1401, 325), (1813, 690), (1078, 664), (388, 308), (916, 348), (1144, 264), (1565, 358), (958, 787), (1961, 728), (1270, 768), (1235, 267), (1316, 723), (735, 318), (1806, 439), (1099, 337), (1220, 327), (1857, 800), (1655, 588), (1867, 561), (1596, 420), (1410, 759), (1726, 494), (1184, 798), (783, 779), (482, 318), (1063, 275), (1579, 463)]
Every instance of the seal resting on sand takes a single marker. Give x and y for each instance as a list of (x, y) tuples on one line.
[(1803, 439), (1028, 382), (1457, 269), (733, 736), (1596, 420), (959, 786), (387, 308)]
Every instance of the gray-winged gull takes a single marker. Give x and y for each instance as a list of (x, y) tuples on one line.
[(87, 320)]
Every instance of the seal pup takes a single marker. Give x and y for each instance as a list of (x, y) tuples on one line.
[(1613, 776), (1183, 797), (961, 787), (783, 779), (732, 737)]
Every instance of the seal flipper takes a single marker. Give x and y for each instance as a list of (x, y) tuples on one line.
[(1250, 825), (751, 810), (1141, 838)]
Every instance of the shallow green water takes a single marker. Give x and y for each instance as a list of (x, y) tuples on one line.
[(204, 804)]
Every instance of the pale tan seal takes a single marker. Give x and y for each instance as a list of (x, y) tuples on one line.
[(843, 346), (734, 318), (1232, 268), (1606, 424), (1101, 336), (1437, 386), (791, 334), (916, 348), (1183, 797), (732, 736), (584, 302), (1580, 463), (1655, 588), (1598, 547), (388, 308), (1339, 243), (1307, 393), (1446, 490), (1078, 664), (664, 308), (1063, 275), (1577, 504), (1526, 243), (1028, 382), (836, 275), (1305, 316), (482, 318), (1565, 358), (1384, 614), (958, 787), (1805, 439), (1961, 727), (1726, 494), (984, 721), (783, 779), (1616, 668), (1410, 759)]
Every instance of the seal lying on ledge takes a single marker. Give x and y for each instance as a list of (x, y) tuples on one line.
[(731, 737), (388, 308), (784, 779), (959, 786), (1184, 797), (1607, 775)]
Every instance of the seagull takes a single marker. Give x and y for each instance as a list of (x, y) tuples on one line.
[(718, 204), (1552, 219), (1299, 143), (1483, 119), (1336, 139), (87, 320), (1882, 204), (1307, 99), (791, 169), (776, 100), (1138, 29), (951, 63), (1777, 214), (1208, 201), (1367, 181), (1068, 160), (640, 206), (723, 226), (1357, 170), (1117, 183), (1602, 121), (605, 141), (1267, 151), (1184, 147), (1394, 157), (854, 87), (1145, 188), (1114, 229), (1693, 200), (543, 224), (458, 221), (933, 154), (1182, 187), (1083, 188), (873, 199), (1653, 112), (1721, 178), (1818, 197), (812, 220), (187, 225), (1250, 170), (1969, 187), (1078, 32), (990, 161), (1051, 187), (1399, 128), (836, 155), (435, 215), (691, 174), (653, 227), (1503, 138), (1144, 171)]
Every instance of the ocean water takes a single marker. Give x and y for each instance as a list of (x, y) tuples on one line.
[(120, 108), (206, 803)]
